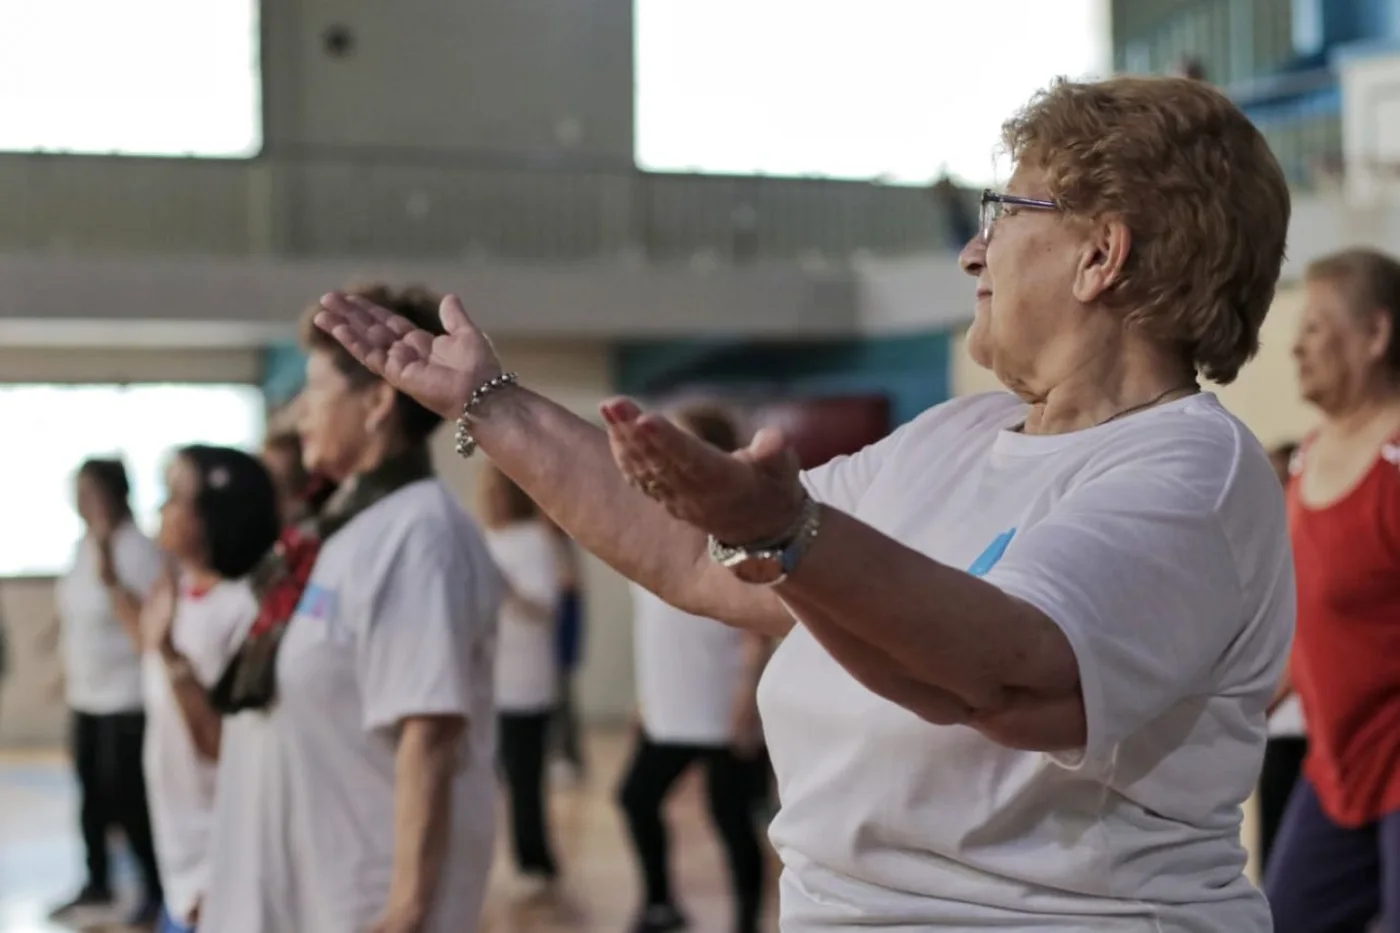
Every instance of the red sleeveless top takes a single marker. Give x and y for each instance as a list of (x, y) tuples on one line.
[(1346, 653)]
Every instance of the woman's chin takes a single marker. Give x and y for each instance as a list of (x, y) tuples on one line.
[(978, 346)]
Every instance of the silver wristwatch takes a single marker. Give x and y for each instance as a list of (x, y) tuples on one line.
[(770, 564)]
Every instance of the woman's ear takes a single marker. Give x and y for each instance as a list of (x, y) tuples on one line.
[(1102, 260), (380, 413), (1382, 333)]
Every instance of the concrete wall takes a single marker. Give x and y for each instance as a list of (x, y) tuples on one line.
[(501, 76), (576, 374)]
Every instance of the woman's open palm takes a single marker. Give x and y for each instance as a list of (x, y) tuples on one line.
[(440, 372)]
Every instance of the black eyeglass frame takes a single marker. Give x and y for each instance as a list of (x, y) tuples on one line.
[(993, 201)]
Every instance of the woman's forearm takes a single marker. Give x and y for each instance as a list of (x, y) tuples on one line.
[(205, 726), (882, 674), (126, 606), (565, 464), (1025, 720), (427, 759), (947, 628)]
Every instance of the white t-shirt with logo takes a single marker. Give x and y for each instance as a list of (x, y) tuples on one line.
[(527, 660), (207, 630), (688, 673), (1158, 544), (102, 667), (398, 620)]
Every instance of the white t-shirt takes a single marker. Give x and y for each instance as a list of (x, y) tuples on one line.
[(1158, 543), (688, 673), (527, 661), (207, 630), (1287, 721), (398, 620), (102, 667)]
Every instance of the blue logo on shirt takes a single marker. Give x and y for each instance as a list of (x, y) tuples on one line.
[(317, 602), (989, 558)]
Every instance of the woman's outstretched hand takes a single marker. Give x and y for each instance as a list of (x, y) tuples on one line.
[(750, 496), (439, 372)]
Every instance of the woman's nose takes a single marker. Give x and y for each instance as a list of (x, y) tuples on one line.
[(973, 257)]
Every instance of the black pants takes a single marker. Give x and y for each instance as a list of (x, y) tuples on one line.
[(107, 755), (565, 742), (732, 784), (1283, 762), (522, 738)]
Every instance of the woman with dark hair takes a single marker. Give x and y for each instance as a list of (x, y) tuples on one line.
[(697, 694), (526, 550), (356, 788), (219, 519), (99, 609)]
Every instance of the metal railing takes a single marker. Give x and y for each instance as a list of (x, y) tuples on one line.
[(313, 205)]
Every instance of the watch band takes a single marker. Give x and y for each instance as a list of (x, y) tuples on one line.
[(771, 564)]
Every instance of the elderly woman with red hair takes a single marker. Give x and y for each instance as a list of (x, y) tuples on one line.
[(1032, 635)]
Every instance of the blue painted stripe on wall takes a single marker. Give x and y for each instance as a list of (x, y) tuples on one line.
[(283, 372), (913, 370)]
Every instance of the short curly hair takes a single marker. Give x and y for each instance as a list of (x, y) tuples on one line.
[(1195, 182), (416, 303)]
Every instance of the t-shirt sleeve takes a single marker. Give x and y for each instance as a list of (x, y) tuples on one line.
[(139, 562), (1139, 575), (209, 635), (841, 481), (531, 565), (412, 657)]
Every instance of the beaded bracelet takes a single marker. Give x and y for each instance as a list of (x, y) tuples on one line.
[(466, 443)]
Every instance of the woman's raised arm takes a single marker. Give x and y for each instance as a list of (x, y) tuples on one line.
[(563, 462)]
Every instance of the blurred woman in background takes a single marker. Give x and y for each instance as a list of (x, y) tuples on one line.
[(1336, 862), (697, 692), (99, 609), (219, 519), (526, 550), (355, 787)]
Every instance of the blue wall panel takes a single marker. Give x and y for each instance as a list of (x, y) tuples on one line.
[(284, 372), (912, 370)]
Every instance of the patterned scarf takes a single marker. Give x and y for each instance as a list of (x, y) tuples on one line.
[(280, 579)]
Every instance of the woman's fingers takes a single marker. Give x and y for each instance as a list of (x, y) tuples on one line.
[(684, 458), (396, 324), (454, 315), (618, 410)]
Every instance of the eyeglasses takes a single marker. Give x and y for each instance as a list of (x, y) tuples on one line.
[(995, 204)]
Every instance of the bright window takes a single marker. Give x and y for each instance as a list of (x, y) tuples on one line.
[(54, 428), (891, 89), (137, 77)]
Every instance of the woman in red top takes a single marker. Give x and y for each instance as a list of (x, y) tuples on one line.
[(1336, 863)]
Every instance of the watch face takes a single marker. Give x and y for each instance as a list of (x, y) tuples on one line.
[(761, 569)]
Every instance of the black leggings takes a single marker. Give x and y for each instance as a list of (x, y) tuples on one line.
[(522, 738), (732, 784), (107, 755), (1283, 762)]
